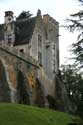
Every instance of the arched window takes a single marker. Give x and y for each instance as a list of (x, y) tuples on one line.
[(53, 65), (39, 40), (40, 58)]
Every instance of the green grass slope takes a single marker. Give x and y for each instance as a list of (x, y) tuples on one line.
[(15, 114)]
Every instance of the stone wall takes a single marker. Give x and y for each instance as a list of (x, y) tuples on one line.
[(21, 79), (48, 29), (38, 81), (51, 46)]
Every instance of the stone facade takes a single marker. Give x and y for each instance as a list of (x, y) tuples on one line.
[(9, 36), (29, 53), (51, 59), (23, 82), (43, 44)]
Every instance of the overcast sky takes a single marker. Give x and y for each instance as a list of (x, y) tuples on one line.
[(58, 9)]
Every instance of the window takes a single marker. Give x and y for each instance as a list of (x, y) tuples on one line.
[(53, 50), (40, 58), (53, 46), (9, 40), (9, 18), (39, 40), (50, 30), (32, 86), (22, 50), (9, 36), (53, 66)]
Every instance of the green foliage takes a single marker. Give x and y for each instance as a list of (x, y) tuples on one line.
[(15, 114), (74, 81), (23, 15), (75, 23), (74, 85)]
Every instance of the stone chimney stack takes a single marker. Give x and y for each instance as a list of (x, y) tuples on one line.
[(9, 36), (39, 13)]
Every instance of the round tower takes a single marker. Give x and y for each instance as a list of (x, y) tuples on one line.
[(9, 36)]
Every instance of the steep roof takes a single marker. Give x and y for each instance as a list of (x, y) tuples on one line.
[(1, 32), (23, 30)]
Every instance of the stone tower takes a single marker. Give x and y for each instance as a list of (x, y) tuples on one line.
[(51, 50), (9, 36)]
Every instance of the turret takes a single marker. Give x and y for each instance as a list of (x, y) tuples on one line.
[(9, 36)]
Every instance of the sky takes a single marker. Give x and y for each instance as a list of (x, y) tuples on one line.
[(58, 9)]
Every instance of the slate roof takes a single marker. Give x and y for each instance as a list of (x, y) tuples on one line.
[(1, 32), (23, 30)]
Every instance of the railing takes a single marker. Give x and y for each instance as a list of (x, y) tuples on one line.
[(19, 54)]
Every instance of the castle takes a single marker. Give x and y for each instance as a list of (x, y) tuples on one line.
[(29, 57), (37, 36)]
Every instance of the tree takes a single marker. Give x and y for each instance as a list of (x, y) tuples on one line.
[(74, 84), (75, 23), (23, 15)]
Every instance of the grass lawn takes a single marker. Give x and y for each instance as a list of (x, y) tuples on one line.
[(15, 114)]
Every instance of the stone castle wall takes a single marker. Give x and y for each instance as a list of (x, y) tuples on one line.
[(25, 82)]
